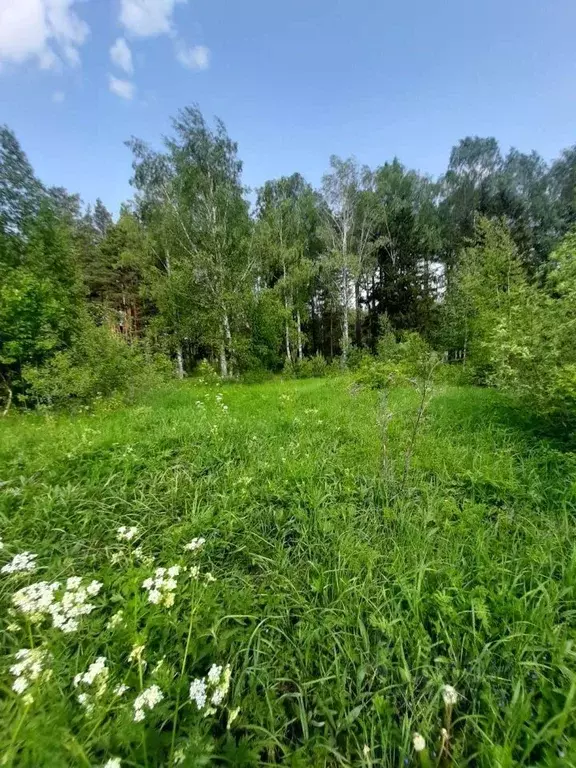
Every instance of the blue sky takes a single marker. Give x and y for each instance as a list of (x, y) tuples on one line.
[(294, 81)]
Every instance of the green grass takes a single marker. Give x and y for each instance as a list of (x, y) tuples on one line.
[(345, 596)]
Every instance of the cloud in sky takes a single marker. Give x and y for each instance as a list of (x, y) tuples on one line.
[(148, 18), (123, 88), (121, 55), (47, 31), (195, 57)]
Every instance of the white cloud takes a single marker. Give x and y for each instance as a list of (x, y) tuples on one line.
[(148, 18), (196, 57), (47, 31), (58, 97), (121, 55), (123, 88)]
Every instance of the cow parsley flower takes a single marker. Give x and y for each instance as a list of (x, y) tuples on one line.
[(1, 544), (195, 544), (161, 588), (116, 620), (198, 692), (114, 762), (450, 695), (136, 653), (127, 533), (212, 688), (25, 562), (36, 600), (39, 600), (146, 700), (29, 668), (419, 742), (121, 689), (96, 676)]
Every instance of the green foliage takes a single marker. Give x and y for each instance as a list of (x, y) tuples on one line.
[(398, 363), (533, 347), (99, 364)]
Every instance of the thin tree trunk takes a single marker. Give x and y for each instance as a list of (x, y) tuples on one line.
[(179, 362), (225, 368), (8, 401), (299, 332), (358, 314), (313, 325), (345, 319), (223, 361), (287, 336)]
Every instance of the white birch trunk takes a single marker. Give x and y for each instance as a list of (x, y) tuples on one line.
[(299, 332)]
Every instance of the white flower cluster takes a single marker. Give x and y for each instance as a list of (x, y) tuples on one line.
[(39, 600), (114, 762), (161, 588), (24, 562), (29, 668), (195, 544), (1, 544), (450, 695), (419, 742), (146, 700), (116, 620), (210, 691), (97, 676), (126, 533)]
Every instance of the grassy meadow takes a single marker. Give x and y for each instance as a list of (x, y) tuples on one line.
[(347, 573)]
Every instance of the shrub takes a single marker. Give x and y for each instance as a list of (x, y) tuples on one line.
[(99, 364)]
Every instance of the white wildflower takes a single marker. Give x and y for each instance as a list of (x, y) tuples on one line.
[(121, 689), (73, 582), (114, 762), (85, 701), (136, 653), (146, 700), (96, 675), (161, 588), (29, 668), (1, 544), (450, 695), (116, 558), (138, 553), (93, 588), (209, 578), (419, 742), (214, 674), (366, 751), (24, 562), (116, 620), (126, 533), (198, 692), (195, 544), (222, 687), (35, 600)]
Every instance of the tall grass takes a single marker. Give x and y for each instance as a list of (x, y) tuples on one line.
[(345, 596)]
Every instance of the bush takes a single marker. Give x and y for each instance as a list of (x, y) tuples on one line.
[(206, 373), (99, 364), (398, 362)]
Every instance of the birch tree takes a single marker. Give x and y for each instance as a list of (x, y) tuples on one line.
[(202, 219), (350, 222)]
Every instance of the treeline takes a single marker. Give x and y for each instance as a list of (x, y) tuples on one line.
[(189, 272)]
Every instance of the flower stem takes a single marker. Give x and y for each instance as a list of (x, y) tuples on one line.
[(177, 706)]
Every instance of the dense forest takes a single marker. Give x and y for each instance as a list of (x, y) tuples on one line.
[(479, 262)]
